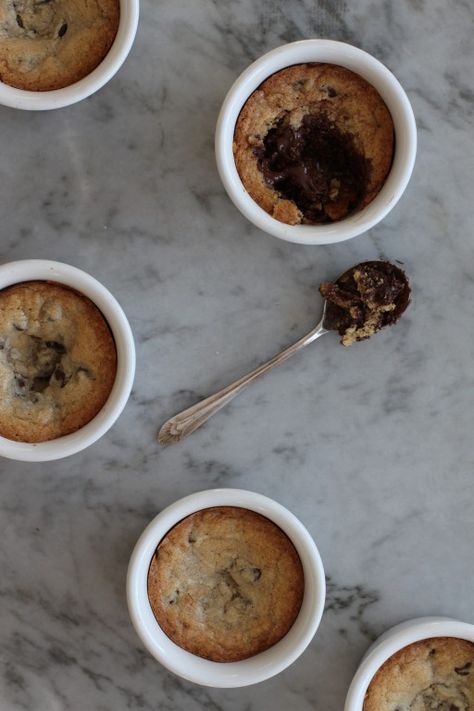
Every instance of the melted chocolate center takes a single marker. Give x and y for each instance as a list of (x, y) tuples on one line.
[(314, 165)]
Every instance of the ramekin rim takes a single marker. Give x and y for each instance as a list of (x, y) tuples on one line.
[(394, 640), (248, 81), (196, 669), (24, 270), (27, 100)]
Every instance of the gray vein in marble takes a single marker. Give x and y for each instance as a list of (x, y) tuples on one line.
[(371, 447)]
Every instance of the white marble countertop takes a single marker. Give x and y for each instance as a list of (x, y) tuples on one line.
[(370, 446)]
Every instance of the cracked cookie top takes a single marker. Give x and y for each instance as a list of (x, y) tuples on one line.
[(435, 674), (57, 361), (50, 44), (225, 583), (313, 144)]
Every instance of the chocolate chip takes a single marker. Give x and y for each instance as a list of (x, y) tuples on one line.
[(60, 376), (21, 385), (56, 347), (40, 383), (174, 599), (19, 21), (331, 91), (62, 30), (463, 671), (257, 574)]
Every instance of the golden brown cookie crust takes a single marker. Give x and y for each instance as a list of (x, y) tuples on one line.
[(51, 44), (57, 361), (345, 98), (225, 583), (435, 673)]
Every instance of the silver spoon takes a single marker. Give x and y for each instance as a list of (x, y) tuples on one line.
[(189, 420)]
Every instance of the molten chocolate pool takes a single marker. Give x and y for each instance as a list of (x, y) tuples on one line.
[(315, 165)]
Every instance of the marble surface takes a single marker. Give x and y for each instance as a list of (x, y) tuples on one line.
[(371, 447)]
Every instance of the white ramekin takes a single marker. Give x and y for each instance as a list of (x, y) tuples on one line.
[(360, 62), (226, 674), (43, 269), (395, 639), (44, 100)]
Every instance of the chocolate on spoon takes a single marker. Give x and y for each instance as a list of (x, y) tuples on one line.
[(365, 299), (360, 302)]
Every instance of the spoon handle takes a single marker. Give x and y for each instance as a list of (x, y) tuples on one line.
[(193, 417)]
